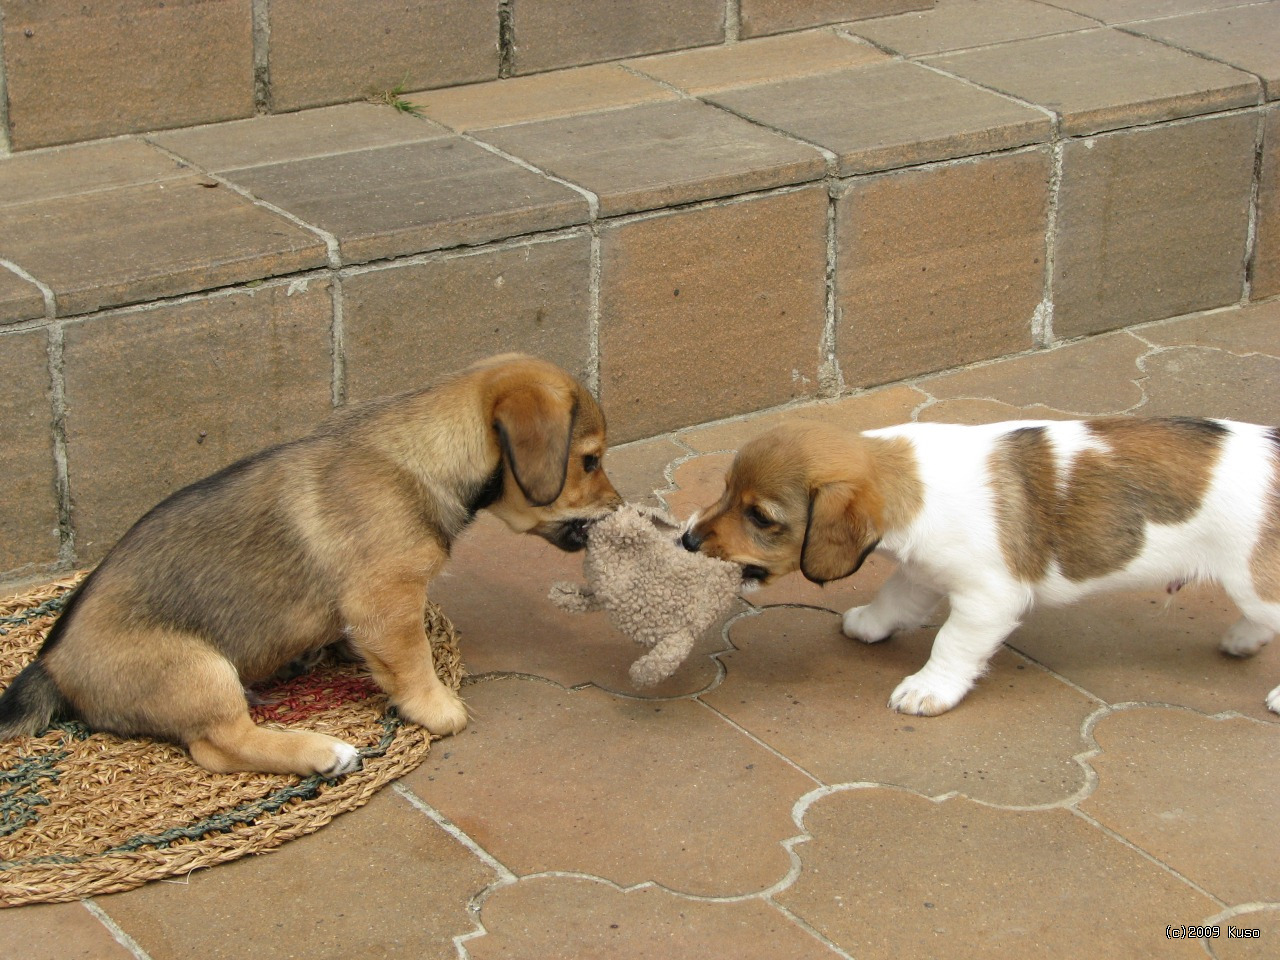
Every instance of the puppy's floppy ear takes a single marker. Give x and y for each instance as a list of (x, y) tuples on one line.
[(840, 533), (535, 427)]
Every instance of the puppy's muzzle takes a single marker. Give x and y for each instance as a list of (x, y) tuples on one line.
[(690, 541), (571, 535)]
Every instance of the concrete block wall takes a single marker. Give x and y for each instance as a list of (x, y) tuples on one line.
[(72, 71)]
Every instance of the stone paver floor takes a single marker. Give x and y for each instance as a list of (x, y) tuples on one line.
[(1112, 778)]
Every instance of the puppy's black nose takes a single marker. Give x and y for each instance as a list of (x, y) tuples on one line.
[(691, 541)]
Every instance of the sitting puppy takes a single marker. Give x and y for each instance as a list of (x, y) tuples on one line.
[(333, 535), (995, 517)]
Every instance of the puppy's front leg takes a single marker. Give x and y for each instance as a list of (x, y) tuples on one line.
[(973, 632), (903, 603), (387, 631)]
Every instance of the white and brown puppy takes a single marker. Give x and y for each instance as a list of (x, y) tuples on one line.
[(997, 517), (333, 535)]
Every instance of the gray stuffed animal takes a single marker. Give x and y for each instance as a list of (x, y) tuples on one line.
[(655, 591)]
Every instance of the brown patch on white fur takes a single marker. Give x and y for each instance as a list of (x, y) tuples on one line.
[(340, 532), (810, 497), (1094, 521), (1264, 562)]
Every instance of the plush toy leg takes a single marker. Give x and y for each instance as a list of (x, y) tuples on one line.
[(574, 598), (662, 661)]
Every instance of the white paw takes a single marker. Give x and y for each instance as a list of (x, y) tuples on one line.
[(346, 759), (1273, 700), (1244, 639), (925, 698), (859, 624)]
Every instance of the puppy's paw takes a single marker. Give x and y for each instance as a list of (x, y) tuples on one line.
[(1244, 639), (1273, 700), (345, 759), (442, 712), (859, 624), (917, 695)]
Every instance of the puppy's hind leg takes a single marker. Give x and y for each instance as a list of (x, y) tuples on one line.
[(903, 603), (1259, 623)]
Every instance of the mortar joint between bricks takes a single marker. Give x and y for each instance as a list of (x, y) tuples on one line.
[(58, 428), (506, 39), (261, 16)]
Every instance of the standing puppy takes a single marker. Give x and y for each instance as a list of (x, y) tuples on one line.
[(996, 517), (293, 548)]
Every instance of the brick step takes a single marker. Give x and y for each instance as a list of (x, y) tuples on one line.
[(697, 234)]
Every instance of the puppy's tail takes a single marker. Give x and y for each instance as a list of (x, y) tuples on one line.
[(30, 703)]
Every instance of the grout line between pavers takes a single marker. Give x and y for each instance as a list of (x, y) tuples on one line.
[(830, 378), (6, 144), (338, 341), (594, 287), (1042, 319), (46, 291), (62, 473), (1255, 202), (504, 874), (116, 931), (810, 929), (732, 21), (755, 739), (261, 14), (593, 202)]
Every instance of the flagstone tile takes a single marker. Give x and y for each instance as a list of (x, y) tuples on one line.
[(796, 682), (59, 931), (1153, 647), (1087, 378), (638, 470), (29, 533), (83, 168), (986, 411), (629, 791), (1126, 11), (1247, 37), (583, 917), (1264, 922), (1265, 268), (381, 881), (1238, 330), (957, 24), (1097, 80), (775, 16), (788, 55), (20, 299), (494, 590), (1195, 381), (889, 874), (659, 154), (543, 96), (1198, 794)]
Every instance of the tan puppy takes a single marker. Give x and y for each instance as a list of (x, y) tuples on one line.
[(998, 517), (334, 535)]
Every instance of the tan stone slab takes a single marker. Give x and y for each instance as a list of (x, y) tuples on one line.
[(1265, 270), (796, 682), (1087, 378), (659, 155), (775, 16), (987, 411), (58, 931), (1104, 79), (711, 69), (638, 469), (890, 875), (1246, 37), (381, 881), (958, 24), (159, 398), (583, 917), (1149, 647), (889, 115), (1128, 11), (1239, 330), (494, 590), (1211, 383), (79, 71), (415, 197), (297, 136), (940, 267), (152, 240), (20, 299), (1196, 793), (625, 790), (533, 299), (564, 33), (734, 292), (322, 53), (882, 407), (1152, 223), (542, 97), (28, 505), (82, 168), (1265, 925)]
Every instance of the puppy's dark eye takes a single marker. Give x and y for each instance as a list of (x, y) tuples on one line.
[(758, 518), (590, 463)]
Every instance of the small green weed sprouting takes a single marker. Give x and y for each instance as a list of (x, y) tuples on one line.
[(394, 98)]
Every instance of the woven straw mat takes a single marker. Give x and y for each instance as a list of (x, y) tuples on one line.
[(89, 813)]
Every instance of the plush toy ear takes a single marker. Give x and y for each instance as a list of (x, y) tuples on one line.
[(535, 426), (839, 535)]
